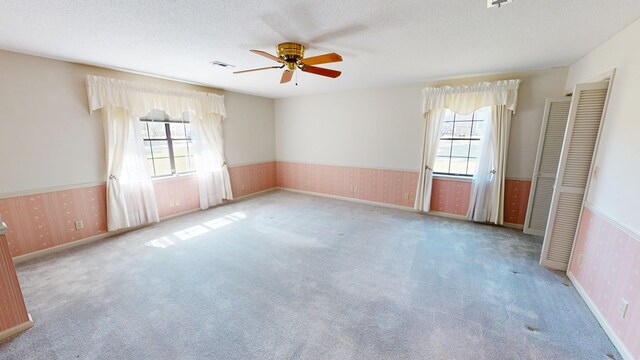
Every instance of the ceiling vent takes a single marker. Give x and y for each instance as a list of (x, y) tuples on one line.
[(221, 64), (497, 3)]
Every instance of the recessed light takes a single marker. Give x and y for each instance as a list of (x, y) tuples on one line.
[(221, 64)]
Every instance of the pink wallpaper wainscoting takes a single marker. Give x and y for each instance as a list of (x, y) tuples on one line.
[(450, 196), (608, 272), (253, 178), (41, 221), (177, 195), (13, 312), (516, 200), (385, 186)]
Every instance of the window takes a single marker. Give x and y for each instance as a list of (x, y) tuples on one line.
[(168, 145), (459, 146)]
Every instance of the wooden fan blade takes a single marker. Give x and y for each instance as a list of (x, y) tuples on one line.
[(267, 55), (258, 69), (322, 59), (321, 71), (286, 76)]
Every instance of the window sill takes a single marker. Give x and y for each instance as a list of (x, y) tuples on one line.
[(453, 177), (172, 177)]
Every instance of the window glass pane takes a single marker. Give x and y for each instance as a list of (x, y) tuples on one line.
[(475, 149), (180, 148), (458, 166), (160, 149), (147, 149), (144, 130), (483, 113), (447, 130), (449, 116), (156, 130), (464, 149), (460, 117), (150, 166), (182, 164), (460, 148), (473, 166), (462, 129), (157, 114), (163, 166), (177, 131), (478, 128), (444, 148), (441, 164)]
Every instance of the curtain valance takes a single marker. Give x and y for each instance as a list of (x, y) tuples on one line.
[(139, 99), (466, 99)]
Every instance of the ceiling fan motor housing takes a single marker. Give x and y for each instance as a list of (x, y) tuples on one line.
[(291, 53)]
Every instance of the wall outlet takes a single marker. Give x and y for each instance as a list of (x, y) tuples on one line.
[(79, 225), (624, 305), (355, 188), (172, 203), (242, 187), (406, 196)]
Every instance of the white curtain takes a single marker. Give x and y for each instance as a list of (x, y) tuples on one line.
[(487, 194), (503, 97), (433, 125), (211, 167), (131, 200), (130, 197)]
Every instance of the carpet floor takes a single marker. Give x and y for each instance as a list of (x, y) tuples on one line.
[(291, 276)]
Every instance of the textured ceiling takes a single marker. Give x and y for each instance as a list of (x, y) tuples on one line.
[(382, 42)]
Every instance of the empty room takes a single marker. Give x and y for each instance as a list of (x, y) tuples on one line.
[(190, 179)]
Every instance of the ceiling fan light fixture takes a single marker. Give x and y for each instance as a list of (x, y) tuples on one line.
[(291, 53), (291, 57)]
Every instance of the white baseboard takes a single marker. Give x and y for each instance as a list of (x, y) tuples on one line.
[(447, 215), (462, 217), (11, 332), (361, 201), (172, 216), (513, 226), (603, 322), (66, 246), (253, 194), (36, 254)]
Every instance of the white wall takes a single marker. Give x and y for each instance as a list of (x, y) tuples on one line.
[(49, 140), (615, 192), (249, 129), (382, 127), (365, 128)]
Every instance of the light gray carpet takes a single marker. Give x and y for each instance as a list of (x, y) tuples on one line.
[(291, 276)]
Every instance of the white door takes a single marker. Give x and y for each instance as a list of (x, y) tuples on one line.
[(581, 137), (554, 124)]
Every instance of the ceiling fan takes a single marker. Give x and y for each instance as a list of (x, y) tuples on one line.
[(291, 56)]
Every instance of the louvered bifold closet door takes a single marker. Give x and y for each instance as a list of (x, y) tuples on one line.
[(581, 136), (554, 124)]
